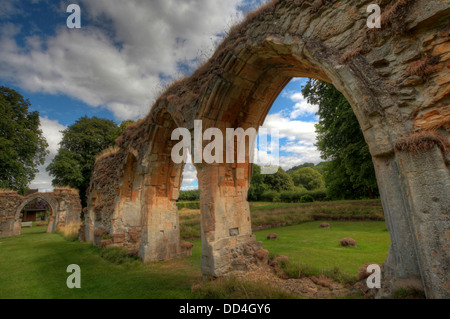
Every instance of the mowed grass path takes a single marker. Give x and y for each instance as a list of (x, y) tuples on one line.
[(34, 264), (308, 244)]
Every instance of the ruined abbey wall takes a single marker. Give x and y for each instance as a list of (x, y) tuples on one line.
[(397, 80), (65, 211)]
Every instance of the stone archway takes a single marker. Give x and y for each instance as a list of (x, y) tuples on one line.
[(397, 81), (65, 211), (136, 186), (51, 201)]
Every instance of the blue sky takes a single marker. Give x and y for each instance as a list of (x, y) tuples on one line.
[(120, 60)]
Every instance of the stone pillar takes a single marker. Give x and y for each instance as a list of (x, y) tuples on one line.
[(228, 243), (426, 183), (401, 269), (160, 227)]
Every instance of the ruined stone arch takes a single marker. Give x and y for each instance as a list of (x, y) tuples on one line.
[(65, 211), (51, 201), (135, 206), (161, 229), (397, 81)]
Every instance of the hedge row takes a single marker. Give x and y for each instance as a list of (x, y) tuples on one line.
[(303, 196), (189, 205)]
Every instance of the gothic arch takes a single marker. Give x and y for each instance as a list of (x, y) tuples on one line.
[(65, 211), (52, 202), (396, 80)]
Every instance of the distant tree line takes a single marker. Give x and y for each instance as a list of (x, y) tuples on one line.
[(303, 183), (190, 195)]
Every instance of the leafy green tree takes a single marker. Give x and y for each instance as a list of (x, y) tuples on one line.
[(262, 185), (293, 169), (257, 186), (80, 145), (309, 178), (319, 167), (191, 195), (341, 141), (280, 181), (22, 145)]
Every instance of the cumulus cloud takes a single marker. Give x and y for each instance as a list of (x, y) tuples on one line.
[(291, 129), (189, 175), (51, 130), (123, 49), (296, 141), (301, 107)]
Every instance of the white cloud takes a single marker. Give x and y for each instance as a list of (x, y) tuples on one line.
[(51, 130), (118, 63), (291, 129), (189, 188), (296, 141), (189, 176), (302, 107)]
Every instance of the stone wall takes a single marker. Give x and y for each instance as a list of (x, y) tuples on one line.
[(9, 225), (65, 211), (132, 198), (397, 81)]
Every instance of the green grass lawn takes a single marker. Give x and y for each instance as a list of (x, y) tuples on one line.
[(34, 264), (310, 245), (265, 214)]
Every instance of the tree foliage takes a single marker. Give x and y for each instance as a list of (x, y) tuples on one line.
[(270, 183), (22, 145), (350, 172), (280, 181), (190, 195), (293, 169), (80, 145), (309, 178), (257, 186)]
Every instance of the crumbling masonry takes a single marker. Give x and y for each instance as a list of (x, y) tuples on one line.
[(397, 80), (65, 211)]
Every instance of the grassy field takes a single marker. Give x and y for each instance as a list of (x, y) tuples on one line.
[(308, 244), (34, 264), (267, 215)]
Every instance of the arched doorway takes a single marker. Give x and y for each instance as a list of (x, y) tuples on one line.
[(52, 203), (36, 210)]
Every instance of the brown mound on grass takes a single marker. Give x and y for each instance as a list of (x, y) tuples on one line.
[(272, 236), (345, 242)]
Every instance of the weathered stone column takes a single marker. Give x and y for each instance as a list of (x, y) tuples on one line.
[(426, 183), (160, 225), (228, 243), (401, 269)]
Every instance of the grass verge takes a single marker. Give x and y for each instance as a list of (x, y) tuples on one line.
[(34, 265), (234, 288), (269, 215)]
